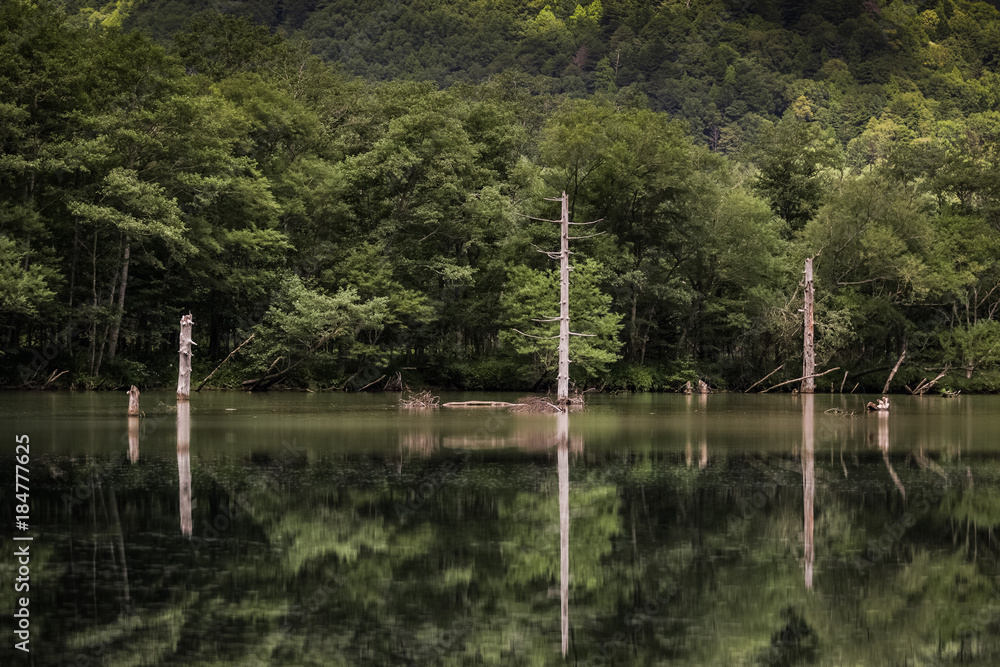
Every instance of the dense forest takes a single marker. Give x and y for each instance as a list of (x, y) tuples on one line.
[(353, 184)]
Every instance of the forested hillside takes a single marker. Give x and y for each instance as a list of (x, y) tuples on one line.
[(351, 182)]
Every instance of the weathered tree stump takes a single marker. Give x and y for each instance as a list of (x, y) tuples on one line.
[(133, 401), (184, 366)]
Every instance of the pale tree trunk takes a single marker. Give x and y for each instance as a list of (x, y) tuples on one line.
[(563, 388), (808, 348), (133, 401), (184, 364)]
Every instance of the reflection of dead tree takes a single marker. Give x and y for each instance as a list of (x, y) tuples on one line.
[(883, 444), (420, 401)]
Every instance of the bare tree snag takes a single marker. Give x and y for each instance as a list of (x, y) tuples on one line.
[(224, 361), (808, 348), (133, 401), (562, 393), (562, 390), (899, 362), (184, 366)]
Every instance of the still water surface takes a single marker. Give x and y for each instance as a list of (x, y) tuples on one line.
[(332, 529)]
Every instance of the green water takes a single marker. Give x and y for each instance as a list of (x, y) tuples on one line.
[(332, 529)]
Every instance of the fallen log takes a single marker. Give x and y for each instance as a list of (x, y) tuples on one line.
[(478, 404), (899, 362), (815, 375), (224, 361), (763, 378), (924, 385)]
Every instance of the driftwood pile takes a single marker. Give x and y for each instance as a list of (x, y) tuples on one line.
[(423, 400)]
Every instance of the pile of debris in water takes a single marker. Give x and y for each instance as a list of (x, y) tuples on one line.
[(542, 404), (529, 404), (423, 400)]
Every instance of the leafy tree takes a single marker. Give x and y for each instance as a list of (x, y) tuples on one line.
[(532, 295)]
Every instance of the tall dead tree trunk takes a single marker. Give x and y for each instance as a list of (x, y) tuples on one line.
[(184, 365), (808, 385), (562, 394)]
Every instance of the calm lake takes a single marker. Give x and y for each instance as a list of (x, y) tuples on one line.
[(336, 529)]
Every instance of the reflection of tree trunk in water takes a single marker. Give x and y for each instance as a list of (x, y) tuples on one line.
[(133, 439), (883, 444), (688, 457), (93, 514), (184, 463), (121, 540), (808, 482), (563, 462), (703, 406)]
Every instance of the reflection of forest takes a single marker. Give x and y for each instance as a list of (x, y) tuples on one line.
[(317, 566)]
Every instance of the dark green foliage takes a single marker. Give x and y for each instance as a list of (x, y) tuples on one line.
[(230, 168)]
